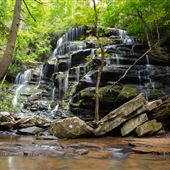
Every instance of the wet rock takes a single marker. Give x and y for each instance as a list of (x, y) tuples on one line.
[(6, 121), (46, 137), (149, 127), (41, 122), (25, 122), (131, 125), (40, 105), (4, 114), (6, 117), (128, 92), (85, 145), (85, 99), (157, 93), (30, 131), (39, 95), (106, 94), (79, 57), (31, 121), (120, 115), (6, 125), (48, 68), (70, 128)]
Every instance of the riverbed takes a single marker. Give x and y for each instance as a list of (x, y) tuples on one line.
[(107, 153)]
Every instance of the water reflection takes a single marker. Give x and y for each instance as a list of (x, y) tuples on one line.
[(132, 162)]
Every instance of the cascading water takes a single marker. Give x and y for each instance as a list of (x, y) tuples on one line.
[(117, 59), (126, 38), (21, 80), (68, 66), (77, 73)]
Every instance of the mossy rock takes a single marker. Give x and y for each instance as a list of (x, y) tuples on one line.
[(157, 94), (106, 94), (149, 127), (128, 92)]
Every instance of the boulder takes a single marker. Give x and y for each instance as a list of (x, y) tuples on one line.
[(131, 125), (148, 128), (70, 128), (120, 115)]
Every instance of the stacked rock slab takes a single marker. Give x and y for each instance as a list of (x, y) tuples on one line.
[(131, 117), (149, 127), (120, 115), (132, 124)]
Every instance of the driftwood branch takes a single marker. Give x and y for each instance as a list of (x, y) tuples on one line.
[(29, 11)]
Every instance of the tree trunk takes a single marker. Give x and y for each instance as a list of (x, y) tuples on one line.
[(7, 57), (97, 116)]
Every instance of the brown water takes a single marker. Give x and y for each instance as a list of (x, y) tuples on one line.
[(102, 158)]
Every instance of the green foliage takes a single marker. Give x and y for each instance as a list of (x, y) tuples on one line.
[(6, 98), (53, 17), (137, 16)]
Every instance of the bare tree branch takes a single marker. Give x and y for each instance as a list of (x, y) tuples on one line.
[(39, 2), (143, 55), (29, 11)]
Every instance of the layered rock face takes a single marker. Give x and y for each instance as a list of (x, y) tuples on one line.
[(65, 84)]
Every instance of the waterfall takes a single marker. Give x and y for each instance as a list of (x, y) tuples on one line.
[(41, 72), (63, 43), (117, 59), (21, 89), (60, 88), (139, 77), (126, 38), (23, 78), (55, 109), (77, 73), (66, 81), (93, 53), (53, 94), (85, 68), (147, 60)]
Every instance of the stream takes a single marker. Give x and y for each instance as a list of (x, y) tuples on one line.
[(108, 153)]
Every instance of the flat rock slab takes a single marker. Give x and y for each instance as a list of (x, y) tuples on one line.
[(44, 137), (157, 150), (120, 115), (131, 125), (30, 131), (153, 104)]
